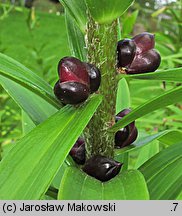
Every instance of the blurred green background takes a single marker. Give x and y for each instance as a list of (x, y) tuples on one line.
[(34, 33)]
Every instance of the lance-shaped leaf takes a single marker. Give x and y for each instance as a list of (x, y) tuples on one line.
[(129, 185), (163, 173), (128, 24), (75, 38), (168, 137), (36, 107), (174, 74), (105, 11), (30, 166), (77, 10), (17, 72), (123, 96), (168, 98)]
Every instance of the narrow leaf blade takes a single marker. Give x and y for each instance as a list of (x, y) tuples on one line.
[(33, 162), (77, 9), (128, 24), (168, 137), (123, 96), (37, 108), (163, 173), (161, 101), (75, 38), (17, 72), (174, 74)]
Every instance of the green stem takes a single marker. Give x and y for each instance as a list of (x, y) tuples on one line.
[(101, 43)]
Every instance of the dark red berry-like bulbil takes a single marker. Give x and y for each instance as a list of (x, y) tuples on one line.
[(76, 80), (127, 135), (72, 69), (126, 52), (137, 55), (122, 113), (144, 42), (145, 62), (121, 136), (78, 152), (94, 76), (71, 92), (102, 168)]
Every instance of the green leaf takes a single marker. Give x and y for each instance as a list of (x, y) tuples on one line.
[(163, 173), (57, 179), (75, 38), (179, 196), (123, 96), (146, 153), (119, 29), (36, 107), (35, 111), (77, 9), (132, 185), (128, 24), (27, 123), (105, 11), (128, 185), (174, 74), (166, 137), (159, 11), (173, 56), (123, 102), (33, 162), (169, 97), (15, 71), (171, 138)]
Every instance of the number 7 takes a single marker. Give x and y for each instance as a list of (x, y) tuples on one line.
[(176, 204)]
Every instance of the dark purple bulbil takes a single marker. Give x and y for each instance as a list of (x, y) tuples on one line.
[(126, 52), (94, 76), (144, 42), (73, 70), (122, 135), (76, 80), (71, 92), (145, 62), (102, 168), (127, 135), (78, 152), (122, 113), (137, 55)]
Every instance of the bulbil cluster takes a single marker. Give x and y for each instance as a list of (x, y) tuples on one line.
[(137, 55), (77, 80), (101, 167)]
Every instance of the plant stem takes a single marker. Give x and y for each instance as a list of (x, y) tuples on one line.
[(101, 43)]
